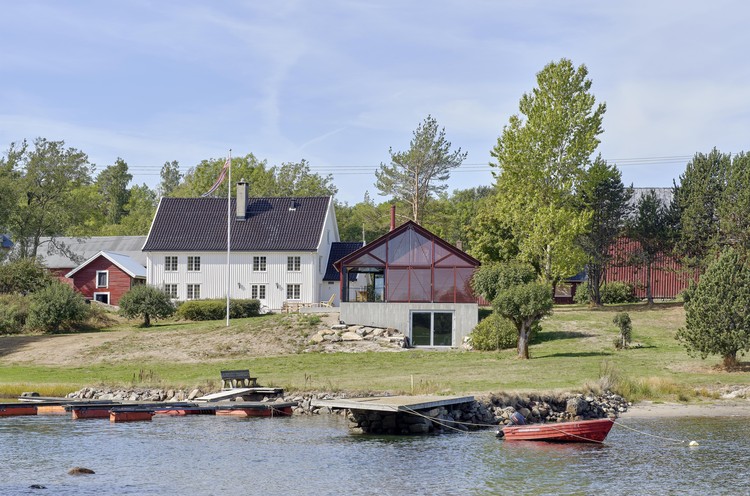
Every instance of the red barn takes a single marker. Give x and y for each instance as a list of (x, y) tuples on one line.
[(106, 276)]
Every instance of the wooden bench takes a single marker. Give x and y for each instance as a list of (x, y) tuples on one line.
[(231, 379)]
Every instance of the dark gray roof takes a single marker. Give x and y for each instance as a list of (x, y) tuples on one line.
[(338, 251), (85, 248), (200, 224)]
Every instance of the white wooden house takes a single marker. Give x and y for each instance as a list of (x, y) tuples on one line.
[(279, 248)]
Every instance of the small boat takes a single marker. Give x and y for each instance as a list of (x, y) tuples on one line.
[(581, 431)]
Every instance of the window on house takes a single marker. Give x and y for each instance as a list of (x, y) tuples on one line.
[(102, 298), (193, 291), (258, 291), (170, 263), (259, 264), (293, 291), (194, 264), (432, 328), (293, 264), (102, 278), (171, 290)]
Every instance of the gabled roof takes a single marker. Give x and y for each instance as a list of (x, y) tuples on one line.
[(85, 248), (124, 262), (338, 251), (397, 232), (663, 194), (200, 224)]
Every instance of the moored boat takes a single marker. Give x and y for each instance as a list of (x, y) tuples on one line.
[(581, 431)]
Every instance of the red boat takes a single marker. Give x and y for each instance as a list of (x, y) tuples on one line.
[(582, 431)]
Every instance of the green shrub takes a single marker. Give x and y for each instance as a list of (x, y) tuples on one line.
[(622, 321), (217, 309), (582, 294), (23, 276), (56, 307), (14, 311), (146, 301), (618, 292), (494, 332)]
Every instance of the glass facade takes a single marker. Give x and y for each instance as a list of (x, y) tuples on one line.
[(410, 265)]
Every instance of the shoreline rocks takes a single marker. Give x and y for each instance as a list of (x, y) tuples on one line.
[(484, 412)]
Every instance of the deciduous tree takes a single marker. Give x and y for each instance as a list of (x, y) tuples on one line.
[(112, 183), (170, 178), (49, 175), (146, 302), (541, 157)]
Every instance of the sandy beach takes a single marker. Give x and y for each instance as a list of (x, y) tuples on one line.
[(726, 408)]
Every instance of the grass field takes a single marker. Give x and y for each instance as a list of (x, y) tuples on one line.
[(574, 351)]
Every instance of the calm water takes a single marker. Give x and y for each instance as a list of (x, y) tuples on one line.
[(316, 455)]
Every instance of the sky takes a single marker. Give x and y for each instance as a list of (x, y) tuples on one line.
[(340, 82)]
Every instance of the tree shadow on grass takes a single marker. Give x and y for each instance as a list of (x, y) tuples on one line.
[(581, 354), (546, 336)]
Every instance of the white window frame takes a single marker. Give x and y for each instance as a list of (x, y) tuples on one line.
[(190, 294), (106, 278), (171, 294), (96, 293), (296, 291), (194, 263), (170, 263), (295, 262), (260, 263), (258, 291)]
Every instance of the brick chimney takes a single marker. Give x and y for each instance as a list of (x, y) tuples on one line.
[(242, 200)]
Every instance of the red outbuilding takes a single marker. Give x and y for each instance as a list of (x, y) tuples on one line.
[(106, 276)]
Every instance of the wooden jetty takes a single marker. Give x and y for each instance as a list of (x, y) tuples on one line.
[(398, 414), (405, 404)]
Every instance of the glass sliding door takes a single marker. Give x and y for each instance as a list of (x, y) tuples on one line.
[(432, 328), (421, 328)]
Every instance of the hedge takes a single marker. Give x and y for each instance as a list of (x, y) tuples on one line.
[(217, 309)]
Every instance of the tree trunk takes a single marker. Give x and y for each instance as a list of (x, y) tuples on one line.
[(523, 341), (595, 282), (146, 320), (730, 361), (649, 294)]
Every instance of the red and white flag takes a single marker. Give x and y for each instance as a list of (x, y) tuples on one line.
[(220, 180)]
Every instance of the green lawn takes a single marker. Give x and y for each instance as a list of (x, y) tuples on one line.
[(574, 350)]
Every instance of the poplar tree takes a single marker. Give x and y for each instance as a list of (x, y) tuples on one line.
[(541, 157)]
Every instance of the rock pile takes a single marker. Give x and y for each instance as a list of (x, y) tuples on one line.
[(343, 334), (135, 394), (556, 408)]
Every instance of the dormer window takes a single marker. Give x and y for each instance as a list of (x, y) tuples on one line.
[(293, 205)]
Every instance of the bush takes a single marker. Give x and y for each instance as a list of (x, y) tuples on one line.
[(582, 294), (56, 307), (146, 301), (14, 311), (217, 309), (23, 276), (494, 332), (618, 292), (622, 321)]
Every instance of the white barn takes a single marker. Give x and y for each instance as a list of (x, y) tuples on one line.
[(279, 248)]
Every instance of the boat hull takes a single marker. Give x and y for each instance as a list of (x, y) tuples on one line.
[(583, 431)]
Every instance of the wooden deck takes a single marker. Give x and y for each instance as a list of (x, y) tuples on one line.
[(394, 403)]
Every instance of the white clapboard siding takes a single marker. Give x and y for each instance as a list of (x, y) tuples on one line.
[(213, 272)]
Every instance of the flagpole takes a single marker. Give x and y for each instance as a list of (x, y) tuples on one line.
[(229, 229)]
